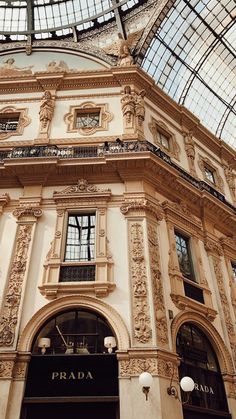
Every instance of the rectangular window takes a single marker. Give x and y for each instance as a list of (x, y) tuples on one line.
[(209, 174), (9, 122), (234, 270), (163, 140), (87, 118), (80, 240), (184, 256)]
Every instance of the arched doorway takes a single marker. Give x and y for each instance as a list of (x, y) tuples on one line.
[(71, 372), (199, 361)]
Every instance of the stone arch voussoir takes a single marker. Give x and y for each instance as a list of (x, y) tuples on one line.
[(72, 302)]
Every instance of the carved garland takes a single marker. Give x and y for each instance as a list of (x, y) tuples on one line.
[(9, 315), (142, 325), (161, 321), (12, 299)]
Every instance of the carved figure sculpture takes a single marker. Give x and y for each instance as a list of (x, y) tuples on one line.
[(54, 66), (140, 108), (124, 56), (128, 106), (9, 69), (46, 111)]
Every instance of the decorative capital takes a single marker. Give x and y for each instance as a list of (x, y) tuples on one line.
[(213, 247), (142, 205), (27, 211)]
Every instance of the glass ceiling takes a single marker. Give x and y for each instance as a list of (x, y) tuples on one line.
[(190, 53), (192, 58)]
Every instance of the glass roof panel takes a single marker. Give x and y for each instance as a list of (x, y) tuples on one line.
[(192, 58)]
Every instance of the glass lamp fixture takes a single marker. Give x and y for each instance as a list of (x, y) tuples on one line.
[(186, 384), (145, 380), (44, 343), (109, 343)]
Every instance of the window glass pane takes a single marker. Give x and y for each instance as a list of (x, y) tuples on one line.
[(209, 175), (9, 122), (182, 248), (88, 119), (234, 270), (80, 241)]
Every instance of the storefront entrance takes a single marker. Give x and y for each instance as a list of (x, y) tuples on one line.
[(72, 374), (71, 410)]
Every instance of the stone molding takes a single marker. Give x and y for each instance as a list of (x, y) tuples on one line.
[(157, 362), (70, 302)]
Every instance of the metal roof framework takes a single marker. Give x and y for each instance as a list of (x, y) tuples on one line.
[(189, 50)]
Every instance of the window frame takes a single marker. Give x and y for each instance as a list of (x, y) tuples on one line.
[(187, 240), (158, 126), (98, 273), (80, 260), (23, 121), (105, 116)]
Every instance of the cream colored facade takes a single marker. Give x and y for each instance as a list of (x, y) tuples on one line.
[(141, 193)]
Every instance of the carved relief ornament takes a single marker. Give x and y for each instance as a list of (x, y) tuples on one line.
[(158, 295), (9, 316), (104, 118), (141, 318), (22, 120)]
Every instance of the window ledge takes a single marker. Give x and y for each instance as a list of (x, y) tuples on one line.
[(100, 289), (185, 303)]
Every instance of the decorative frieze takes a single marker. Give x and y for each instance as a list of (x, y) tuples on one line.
[(141, 317), (135, 366), (158, 295)]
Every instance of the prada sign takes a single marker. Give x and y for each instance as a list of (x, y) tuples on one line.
[(72, 375)]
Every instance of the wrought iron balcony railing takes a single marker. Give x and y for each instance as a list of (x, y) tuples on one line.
[(108, 148)]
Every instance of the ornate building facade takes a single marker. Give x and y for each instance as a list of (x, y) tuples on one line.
[(118, 245)]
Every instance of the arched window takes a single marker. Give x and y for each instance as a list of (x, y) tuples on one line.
[(73, 332), (199, 361), (73, 372)]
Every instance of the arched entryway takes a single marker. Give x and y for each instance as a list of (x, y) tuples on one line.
[(71, 372), (199, 361)]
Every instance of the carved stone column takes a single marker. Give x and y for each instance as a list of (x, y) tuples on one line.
[(9, 319), (145, 277), (215, 253)]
